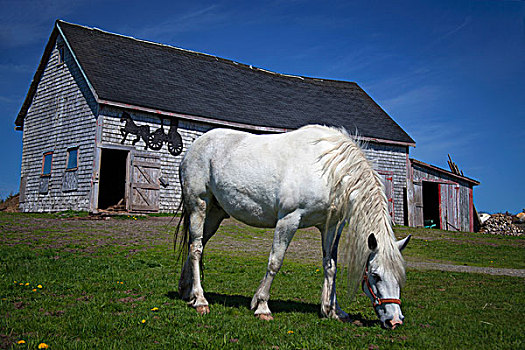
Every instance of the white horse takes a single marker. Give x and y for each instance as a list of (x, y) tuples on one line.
[(314, 176)]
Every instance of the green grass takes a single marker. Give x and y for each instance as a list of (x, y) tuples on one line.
[(464, 248), (96, 290)]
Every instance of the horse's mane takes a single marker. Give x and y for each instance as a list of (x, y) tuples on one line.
[(358, 198)]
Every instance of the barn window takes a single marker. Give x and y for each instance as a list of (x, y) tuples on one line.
[(47, 161), (72, 159)]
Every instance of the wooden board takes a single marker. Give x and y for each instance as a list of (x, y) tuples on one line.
[(449, 207), (144, 182), (388, 182), (418, 220)]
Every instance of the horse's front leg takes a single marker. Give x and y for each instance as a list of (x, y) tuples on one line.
[(284, 232), (329, 306)]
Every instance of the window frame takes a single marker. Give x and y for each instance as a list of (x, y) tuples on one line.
[(76, 148), (42, 174)]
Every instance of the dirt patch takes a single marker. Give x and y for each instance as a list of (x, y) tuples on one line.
[(85, 236)]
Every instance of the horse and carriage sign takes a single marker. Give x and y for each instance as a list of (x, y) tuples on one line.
[(153, 140)]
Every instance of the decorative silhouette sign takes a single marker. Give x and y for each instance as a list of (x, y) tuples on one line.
[(153, 140), (157, 138), (132, 128)]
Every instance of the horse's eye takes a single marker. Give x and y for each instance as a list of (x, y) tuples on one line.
[(376, 277)]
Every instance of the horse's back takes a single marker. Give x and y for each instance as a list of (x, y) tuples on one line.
[(257, 178)]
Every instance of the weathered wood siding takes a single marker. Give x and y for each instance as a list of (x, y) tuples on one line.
[(60, 117), (455, 211), (170, 193), (391, 159)]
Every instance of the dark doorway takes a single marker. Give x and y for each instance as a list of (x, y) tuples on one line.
[(112, 186), (431, 204), (405, 207)]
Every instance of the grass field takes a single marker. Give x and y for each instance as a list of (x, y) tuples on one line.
[(111, 284)]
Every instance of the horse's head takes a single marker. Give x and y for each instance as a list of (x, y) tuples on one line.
[(125, 116), (382, 287)]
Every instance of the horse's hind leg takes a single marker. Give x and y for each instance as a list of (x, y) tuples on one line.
[(284, 232), (329, 306), (125, 134), (189, 287), (190, 283), (212, 222)]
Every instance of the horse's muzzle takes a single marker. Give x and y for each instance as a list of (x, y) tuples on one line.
[(393, 323)]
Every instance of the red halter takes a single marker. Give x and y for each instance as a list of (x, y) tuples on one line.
[(378, 301)]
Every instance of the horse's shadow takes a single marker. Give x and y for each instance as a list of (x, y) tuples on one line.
[(277, 306)]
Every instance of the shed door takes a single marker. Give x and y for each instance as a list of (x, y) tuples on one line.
[(418, 220), (144, 182), (449, 206), (388, 182)]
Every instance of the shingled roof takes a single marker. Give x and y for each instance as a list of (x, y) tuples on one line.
[(164, 78)]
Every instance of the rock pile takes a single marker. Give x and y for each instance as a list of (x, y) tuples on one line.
[(501, 224)]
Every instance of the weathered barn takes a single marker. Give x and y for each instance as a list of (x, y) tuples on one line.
[(440, 197), (107, 119)]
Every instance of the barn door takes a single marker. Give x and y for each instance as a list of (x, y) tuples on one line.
[(144, 182), (418, 218), (388, 182), (449, 206)]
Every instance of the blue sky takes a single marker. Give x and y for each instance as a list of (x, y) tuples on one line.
[(451, 73)]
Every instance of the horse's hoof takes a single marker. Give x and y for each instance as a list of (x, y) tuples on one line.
[(345, 319), (266, 317), (203, 309)]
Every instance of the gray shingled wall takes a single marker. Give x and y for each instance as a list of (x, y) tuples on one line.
[(391, 158), (59, 117)]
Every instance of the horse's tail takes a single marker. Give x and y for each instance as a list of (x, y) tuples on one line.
[(182, 237), (182, 233)]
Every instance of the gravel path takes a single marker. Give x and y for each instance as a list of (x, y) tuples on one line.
[(420, 265)]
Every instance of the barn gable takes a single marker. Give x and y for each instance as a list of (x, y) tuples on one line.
[(59, 129)]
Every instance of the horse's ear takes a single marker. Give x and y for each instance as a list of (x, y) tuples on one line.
[(402, 243), (372, 242)]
